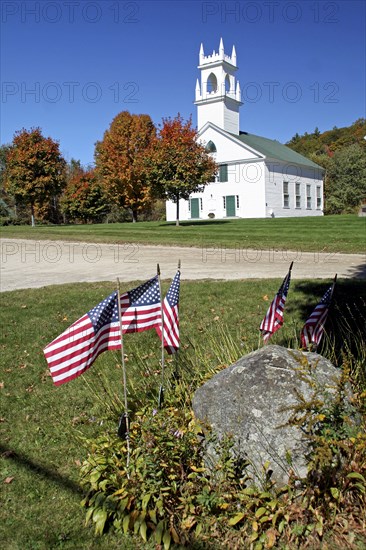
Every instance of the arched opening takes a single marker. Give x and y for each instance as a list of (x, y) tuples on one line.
[(211, 147), (227, 84), (212, 83)]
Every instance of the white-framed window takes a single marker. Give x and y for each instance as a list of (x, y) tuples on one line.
[(286, 196), (318, 197), (237, 201), (308, 196), (298, 194)]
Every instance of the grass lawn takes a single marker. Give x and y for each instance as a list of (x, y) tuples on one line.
[(41, 425), (345, 233)]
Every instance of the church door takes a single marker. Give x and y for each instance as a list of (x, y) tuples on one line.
[(230, 206), (195, 208)]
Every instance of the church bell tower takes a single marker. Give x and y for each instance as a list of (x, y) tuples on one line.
[(218, 96)]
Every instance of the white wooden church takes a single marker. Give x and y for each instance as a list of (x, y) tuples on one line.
[(258, 177)]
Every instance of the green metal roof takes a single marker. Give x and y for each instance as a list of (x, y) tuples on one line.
[(274, 149)]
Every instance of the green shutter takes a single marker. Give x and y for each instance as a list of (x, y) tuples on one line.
[(223, 172)]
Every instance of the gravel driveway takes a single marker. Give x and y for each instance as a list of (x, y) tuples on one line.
[(34, 264)]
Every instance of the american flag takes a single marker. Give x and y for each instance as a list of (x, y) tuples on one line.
[(312, 331), (273, 319), (171, 316), (76, 349), (141, 307)]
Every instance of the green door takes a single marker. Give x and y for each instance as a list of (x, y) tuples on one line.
[(230, 206), (195, 208)]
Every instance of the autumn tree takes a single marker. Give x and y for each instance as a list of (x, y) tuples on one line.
[(6, 202), (84, 198), (35, 169), (179, 164), (121, 161)]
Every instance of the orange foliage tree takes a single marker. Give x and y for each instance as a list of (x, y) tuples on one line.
[(121, 159), (179, 164), (35, 169)]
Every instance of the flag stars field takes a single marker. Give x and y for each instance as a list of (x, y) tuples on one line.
[(106, 311)]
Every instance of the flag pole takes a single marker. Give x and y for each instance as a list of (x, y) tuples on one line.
[(332, 291), (124, 427), (177, 352), (161, 390)]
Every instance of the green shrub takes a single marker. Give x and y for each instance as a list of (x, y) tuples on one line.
[(165, 490)]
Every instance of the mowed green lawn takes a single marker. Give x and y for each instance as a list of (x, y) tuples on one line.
[(40, 453), (344, 233)]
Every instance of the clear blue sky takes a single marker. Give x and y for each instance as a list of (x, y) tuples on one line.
[(71, 66)]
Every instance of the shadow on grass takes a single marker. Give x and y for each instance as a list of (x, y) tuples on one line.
[(187, 223), (40, 469), (345, 326)]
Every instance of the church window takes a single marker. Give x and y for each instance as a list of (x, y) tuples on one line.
[(286, 196), (298, 195), (318, 197), (223, 172), (308, 197), (211, 147)]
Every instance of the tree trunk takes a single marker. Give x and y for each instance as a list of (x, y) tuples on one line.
[(32, 215), (134, 216), (177, 216)]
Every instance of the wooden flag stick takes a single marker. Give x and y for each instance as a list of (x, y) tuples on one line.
[(334, 283), (161, 390), (124, 427), (177, 352)]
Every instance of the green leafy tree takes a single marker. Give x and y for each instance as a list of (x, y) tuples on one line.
[(84, 198), (121, 161), (179, 164), (345, 184), (35, 169)]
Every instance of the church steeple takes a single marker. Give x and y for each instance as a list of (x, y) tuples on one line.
[(218, 96)]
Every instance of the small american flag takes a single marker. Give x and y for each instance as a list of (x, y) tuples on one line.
[(273, 319), (171, 317), (141, 307), (312, 331), (76, 349)]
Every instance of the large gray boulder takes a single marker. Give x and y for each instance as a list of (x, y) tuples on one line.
[(249, 398)]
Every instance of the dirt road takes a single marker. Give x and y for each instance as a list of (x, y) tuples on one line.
[(34, 264)]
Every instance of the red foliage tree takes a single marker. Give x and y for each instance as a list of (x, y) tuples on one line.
[(179, 164), (84, 198)]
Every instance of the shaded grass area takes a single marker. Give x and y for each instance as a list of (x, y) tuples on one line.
[(41, 425), (345, 233)]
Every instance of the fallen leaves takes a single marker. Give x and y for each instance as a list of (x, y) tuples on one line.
[(8, 480)]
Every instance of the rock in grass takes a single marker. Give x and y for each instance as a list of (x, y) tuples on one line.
[(250, 400)]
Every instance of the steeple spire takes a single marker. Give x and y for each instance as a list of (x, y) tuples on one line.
[(233, 56), (202, 54), (221, 49)]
